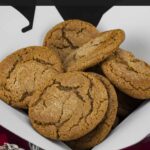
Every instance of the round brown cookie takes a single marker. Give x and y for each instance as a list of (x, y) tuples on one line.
[(126, 104), (26, 71), (69, 107), (69, 35), (128, 74), (101, 131), (95, 51)]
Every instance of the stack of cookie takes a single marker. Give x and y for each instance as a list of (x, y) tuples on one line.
[(65, 101)]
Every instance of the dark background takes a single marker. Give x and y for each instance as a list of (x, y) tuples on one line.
[(90, 14), (74, 2)]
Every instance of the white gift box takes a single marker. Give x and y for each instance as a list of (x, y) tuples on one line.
[(133, 20)]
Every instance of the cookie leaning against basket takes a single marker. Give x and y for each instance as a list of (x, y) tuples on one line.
[(128, 74), (95, 51)]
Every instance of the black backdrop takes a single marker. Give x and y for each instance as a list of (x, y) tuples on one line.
[(90, 14), (88, 10)]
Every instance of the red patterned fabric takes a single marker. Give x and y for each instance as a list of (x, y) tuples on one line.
[(143, 145), (8, 137)]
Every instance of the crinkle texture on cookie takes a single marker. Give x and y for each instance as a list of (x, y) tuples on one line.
[(95, 51), (69, 35), (128, 74), (25, 72), (69, 107), (97, 135)]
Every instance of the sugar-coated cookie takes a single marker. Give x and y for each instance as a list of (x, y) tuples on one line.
[(69, 107), (69, 35), (95, 51), (97, 135), (128, 74), (26, 71)]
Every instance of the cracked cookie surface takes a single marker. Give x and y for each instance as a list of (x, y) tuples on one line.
[(95, 51), (69, 35), (128, 74), (97, 135), (26, 71), (69, 107)]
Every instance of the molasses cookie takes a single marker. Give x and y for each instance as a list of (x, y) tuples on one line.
[(101, 131), (95, 51), (69, 107), (26, 71), (69, 35), (128, 74)]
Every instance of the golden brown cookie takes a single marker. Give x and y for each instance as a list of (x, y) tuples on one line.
[(69, 107), (126, 104), (69, 35), (128, 74), (97, 135), (95, 51), (26, 71)]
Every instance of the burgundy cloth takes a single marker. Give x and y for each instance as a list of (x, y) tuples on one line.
[(143, 145), (8, 137)]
